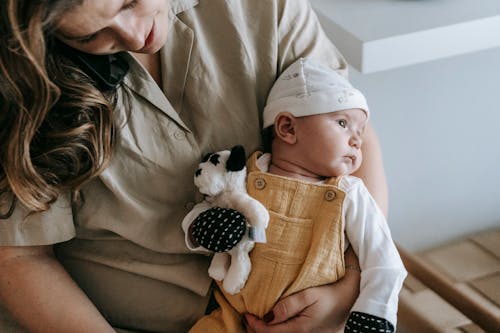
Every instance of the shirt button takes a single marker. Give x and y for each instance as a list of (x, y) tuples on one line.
[(330, 195), (189, 205), (179, 135), (260, 183)]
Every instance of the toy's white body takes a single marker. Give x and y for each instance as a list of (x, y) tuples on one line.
[(227, 189)]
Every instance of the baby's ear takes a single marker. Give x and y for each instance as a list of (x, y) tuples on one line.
[(237, 159), (284, 127)]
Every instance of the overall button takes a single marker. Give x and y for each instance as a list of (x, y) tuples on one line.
[(260, 183), (330, 195)]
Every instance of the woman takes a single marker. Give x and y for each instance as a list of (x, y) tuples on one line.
[(97, 170)]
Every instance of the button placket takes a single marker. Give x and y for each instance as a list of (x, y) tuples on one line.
[(189, 205), (179, 135)]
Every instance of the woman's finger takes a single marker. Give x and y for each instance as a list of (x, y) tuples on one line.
[(296, 324), (290, 307)]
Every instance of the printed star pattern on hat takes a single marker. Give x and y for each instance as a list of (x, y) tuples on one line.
[(308, 88), (219, 229)]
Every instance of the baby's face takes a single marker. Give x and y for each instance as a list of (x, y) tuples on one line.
[(330, 143)]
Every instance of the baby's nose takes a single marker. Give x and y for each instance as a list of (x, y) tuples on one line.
[(356, 141)]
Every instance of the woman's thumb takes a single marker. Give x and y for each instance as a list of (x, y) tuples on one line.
[(288, 308)]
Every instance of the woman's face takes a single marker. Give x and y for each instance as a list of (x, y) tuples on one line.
[(110, 26)]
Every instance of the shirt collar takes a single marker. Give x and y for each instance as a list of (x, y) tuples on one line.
[(178, 6)]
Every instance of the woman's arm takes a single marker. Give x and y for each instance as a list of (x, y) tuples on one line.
[(41, 295)]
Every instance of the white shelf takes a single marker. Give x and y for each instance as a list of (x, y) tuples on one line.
[(376, 35)]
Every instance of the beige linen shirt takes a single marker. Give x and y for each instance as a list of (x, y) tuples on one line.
[(124, 246)]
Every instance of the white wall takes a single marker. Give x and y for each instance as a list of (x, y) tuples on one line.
[(439, 127)]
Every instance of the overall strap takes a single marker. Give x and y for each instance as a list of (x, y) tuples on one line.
[(335, 181), (252, 161)]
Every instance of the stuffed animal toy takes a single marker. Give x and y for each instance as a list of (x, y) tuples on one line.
[(230, 221)]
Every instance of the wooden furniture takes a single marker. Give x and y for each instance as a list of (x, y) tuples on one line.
[(454, 287)]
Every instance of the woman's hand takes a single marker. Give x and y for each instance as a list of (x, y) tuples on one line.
[(318, 309)]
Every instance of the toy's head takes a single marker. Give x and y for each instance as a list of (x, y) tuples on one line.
[(221, 171)]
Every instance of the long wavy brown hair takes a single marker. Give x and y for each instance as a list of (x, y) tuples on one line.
[(56, 129)]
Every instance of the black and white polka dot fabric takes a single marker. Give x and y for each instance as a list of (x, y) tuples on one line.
[(359, 322), (219, 229)]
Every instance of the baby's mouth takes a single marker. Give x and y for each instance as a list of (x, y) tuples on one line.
[(352, 158)]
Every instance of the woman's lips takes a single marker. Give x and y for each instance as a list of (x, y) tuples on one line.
[(150, 37)]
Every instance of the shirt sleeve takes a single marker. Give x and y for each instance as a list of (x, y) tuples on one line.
[(382, 271), (301, 35), (23, 228)]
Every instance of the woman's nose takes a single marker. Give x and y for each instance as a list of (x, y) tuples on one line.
[(131, 34)]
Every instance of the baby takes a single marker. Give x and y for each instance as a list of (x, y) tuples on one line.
[(317, 209)]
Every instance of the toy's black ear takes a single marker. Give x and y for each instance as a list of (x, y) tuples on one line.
[(237, 159), (205, 158)]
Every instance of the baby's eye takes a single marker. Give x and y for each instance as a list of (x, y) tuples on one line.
[(342, 123), (131, 4)]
